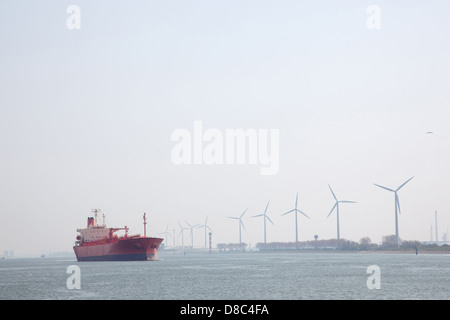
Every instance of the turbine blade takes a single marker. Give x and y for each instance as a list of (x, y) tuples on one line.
[(188, 223), (345, 201), (296, 200), (242, 224), (384, 187), (234, 218), (401, 186), (243, 213), (270, 220), (334, 196), (258, 215), (266, 207), (397, 203), (288, 212), (332, 209), (303, 213)]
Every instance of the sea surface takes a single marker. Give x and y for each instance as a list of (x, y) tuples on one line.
[(240, 276)]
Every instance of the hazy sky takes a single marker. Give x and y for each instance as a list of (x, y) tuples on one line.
[(86, 116)]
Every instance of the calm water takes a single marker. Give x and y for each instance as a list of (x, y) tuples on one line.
[(232, 276)]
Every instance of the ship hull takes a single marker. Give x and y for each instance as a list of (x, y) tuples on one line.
[(136, 249)]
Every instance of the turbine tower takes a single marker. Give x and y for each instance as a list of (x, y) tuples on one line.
[(396, 205), (435, 223), (336, 205), (241, 224), (265, 217), (206, 227), (296, 211), (192, 231), (182, 233), (167, 234)]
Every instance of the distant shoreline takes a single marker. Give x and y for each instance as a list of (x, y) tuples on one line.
[(410, 251), (389, 245), (357, 251)]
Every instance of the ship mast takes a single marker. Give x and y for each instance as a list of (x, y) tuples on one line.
[(145, 226), (96, 211)]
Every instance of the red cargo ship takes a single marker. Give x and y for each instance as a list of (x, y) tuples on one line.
[(98, 243)]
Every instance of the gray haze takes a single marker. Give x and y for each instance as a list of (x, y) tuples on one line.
[(86, 117)]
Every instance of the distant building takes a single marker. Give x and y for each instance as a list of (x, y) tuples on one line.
[(439, 243), (8, 254)]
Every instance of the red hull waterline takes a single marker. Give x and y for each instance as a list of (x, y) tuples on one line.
[(132, 249)]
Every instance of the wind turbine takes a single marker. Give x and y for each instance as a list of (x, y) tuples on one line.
[(174, 236), (182, 233), (192, 232), (167, 235), (241, 224), (265, 217), (295, 210), (206, 227), (336, 205), (396, 205), (435, 221)]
